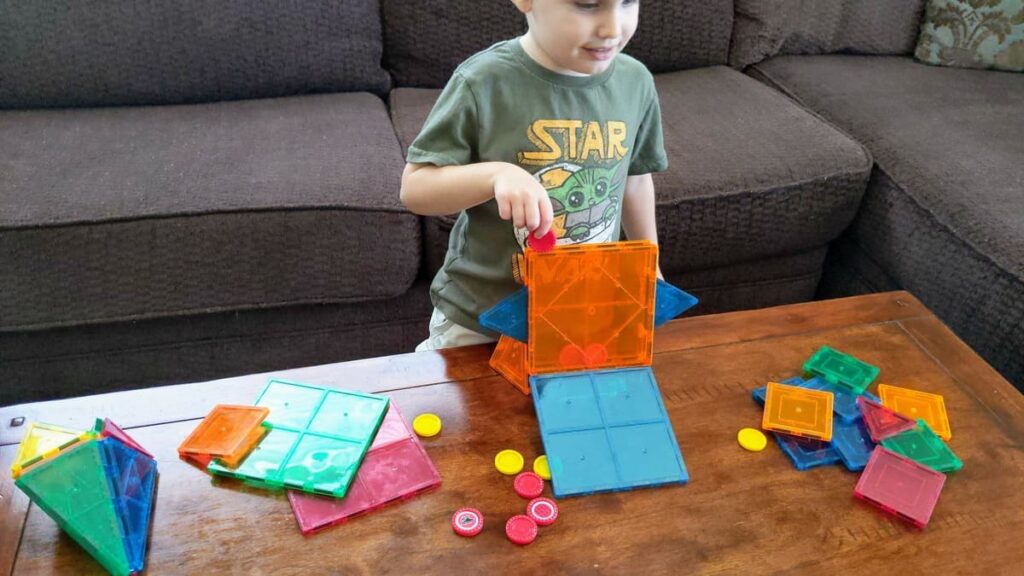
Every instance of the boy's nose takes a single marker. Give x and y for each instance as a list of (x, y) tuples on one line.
[(608, 27)]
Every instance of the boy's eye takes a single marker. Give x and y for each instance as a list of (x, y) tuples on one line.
[(587, 5)]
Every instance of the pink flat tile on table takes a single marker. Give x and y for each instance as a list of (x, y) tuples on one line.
[(900, 486), (395, 468)]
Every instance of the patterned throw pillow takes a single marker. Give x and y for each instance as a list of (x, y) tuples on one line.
[(973, 34)]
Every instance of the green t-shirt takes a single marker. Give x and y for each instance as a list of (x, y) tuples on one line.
[(580, 136)]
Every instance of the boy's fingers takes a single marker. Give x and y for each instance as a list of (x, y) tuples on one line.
[(546, 216), (532, 216), (504, 209), (518, 217)]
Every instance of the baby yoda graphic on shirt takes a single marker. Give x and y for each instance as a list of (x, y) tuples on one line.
[(586, 197)]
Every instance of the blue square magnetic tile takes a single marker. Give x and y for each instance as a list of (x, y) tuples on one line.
[(571, 405), (844, 403), (629, 397), (509, 316), (758, 394), (807, 453), (580, 461), (647, 454), (852, 442), (617, 438)]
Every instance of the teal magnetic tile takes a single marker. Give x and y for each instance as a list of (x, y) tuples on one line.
[(606, 431)]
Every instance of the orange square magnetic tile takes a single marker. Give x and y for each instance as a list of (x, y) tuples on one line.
[(915, 404), (228, 433), (509, 360), (591, 306), (798, 411)]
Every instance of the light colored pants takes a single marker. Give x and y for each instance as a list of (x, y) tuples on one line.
[(447, 334)]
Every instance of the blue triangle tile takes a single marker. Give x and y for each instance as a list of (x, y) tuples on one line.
[(509, 316), (133, 477), (670, 302)]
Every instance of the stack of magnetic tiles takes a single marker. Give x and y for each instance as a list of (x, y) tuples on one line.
[(339, 453), (579, 337), (97, 485), (830, 418)]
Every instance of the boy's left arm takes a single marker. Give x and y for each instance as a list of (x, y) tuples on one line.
[(638, 210)]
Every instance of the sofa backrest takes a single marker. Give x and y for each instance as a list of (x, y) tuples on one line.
[(424, 40), (113, 52), (766, 28)]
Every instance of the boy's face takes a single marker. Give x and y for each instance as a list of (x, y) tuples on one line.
[(581, 36)]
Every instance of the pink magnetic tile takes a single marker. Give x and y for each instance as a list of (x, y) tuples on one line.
[(395, 470), (392, 429), (114, 431), (900, 486)]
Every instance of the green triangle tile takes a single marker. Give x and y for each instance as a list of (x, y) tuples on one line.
[(73, 489)]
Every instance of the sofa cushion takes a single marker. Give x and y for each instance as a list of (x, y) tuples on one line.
[(425, 41), (943, 214), (751, 175), (122, 213), (765, 28), (75, 53)]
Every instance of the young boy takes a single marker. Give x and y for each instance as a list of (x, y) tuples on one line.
[(555, 130)]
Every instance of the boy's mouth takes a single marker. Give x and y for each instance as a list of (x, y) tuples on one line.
[(604, 53)]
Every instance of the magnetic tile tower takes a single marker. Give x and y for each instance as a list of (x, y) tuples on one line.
[(97, 485), (579, 337)]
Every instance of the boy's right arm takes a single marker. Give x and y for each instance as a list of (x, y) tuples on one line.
[(431, 190)]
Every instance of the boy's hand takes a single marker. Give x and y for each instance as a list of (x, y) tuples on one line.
[(521, 198)]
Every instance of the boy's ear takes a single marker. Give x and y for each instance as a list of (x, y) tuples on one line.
[(524, 6)]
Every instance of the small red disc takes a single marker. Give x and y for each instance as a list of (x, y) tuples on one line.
[(542, 244), (521, 529), (467, 522), (528, 485), (544, 511)]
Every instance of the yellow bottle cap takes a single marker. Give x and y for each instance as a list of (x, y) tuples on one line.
[(427, 425), (509, 462), (752, 439), (540, 467)]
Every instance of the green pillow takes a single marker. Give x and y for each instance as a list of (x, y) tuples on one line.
[(973, 34)]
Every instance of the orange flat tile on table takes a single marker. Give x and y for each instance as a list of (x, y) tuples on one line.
[(509, 360), (915, 404), (591, 306), (798, 411), (228, 433)]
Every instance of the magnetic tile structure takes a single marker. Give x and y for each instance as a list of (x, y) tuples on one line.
[(900, 486), (316, 441), (395, 469), (923, 446), (841, 369), (228, 433), (918, 405), (606, 431), (881, 421), (798, 411), (100, 491), (591, 307)]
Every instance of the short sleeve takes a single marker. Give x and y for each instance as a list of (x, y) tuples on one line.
[(649, 148), (449, 135)]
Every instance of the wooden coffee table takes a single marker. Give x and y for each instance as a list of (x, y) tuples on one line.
[(740, 513)]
